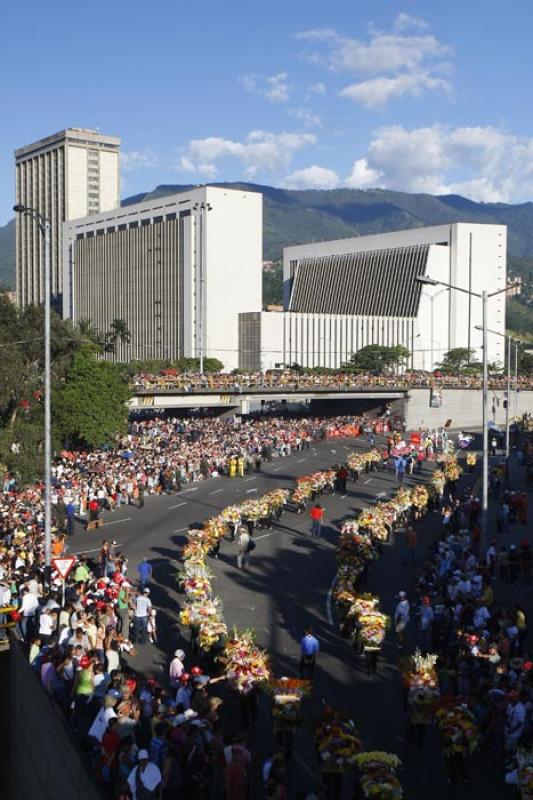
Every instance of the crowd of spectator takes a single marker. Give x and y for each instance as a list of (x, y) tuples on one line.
[(172, 380)]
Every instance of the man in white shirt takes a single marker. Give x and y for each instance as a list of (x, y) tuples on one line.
[(145, 775), (5, 602), (47, 625), (28, 609), (143, 606), (101, 721)]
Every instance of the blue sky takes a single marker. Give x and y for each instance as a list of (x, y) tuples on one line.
[(416, 96)]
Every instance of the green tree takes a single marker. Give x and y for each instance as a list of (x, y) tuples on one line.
[(119, 332), (455, 360), (375, 357), (90, 409)]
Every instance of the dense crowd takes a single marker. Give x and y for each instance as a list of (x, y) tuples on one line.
[(473, 672), (290, 379)]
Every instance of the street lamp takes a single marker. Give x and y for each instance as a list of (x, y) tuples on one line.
[(201, 208), (484, 295), (507, 415), (45, 227)]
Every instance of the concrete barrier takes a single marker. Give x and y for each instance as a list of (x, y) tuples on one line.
[(462, 406), (44, 761)]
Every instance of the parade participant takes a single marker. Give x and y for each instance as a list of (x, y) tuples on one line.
[(309, 648), (317, 519), (177, 668), (401, 617), (142, 607), (145, 573), (244, 544)]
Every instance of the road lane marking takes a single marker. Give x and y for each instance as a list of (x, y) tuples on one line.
[(249, 491), (329, 599), (216, 491), (116, 522), (300, 460), (368, 481), (178, 505), (195, 489), (181, 530), (277, 469), (263, 536), (247, 480), (333, 451), (82, 552), (343, 496)]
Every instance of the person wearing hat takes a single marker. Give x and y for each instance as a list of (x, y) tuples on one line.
[(143, 607), (184, 693), (176, 668), (145, 779), (401, 617)]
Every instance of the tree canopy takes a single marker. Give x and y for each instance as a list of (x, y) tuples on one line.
[(90, 408), (375, 357)]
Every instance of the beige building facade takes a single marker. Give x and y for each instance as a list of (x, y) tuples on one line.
[(73, 173)]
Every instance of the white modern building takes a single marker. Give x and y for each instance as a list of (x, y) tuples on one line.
[(342, 295), (70, 174), (178, 270)]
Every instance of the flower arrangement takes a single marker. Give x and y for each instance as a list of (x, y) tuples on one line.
[(337, 740), (438, 481), (246, 666), (452, 470), (419, 497), (471, 459), (374, 626), (231, 514), (288, 694), (377, 775), (458, 728), (212, 631)]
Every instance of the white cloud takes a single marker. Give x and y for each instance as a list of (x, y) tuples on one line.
[(484, 163), (318, 88), (259, 152), (382, 53), (376, 92), (391, 65), (404, 21), (313, 177), (309, 119), (138, 159), (362, 176), (274, 88)]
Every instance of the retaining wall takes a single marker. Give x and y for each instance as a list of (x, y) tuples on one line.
[(462, 406)]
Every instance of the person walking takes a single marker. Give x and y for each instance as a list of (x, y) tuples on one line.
[(123, 609), (427, 618), (143, 606), (410, 543), (317, 518), (400, 470), (342, 477), (401, 617), (141, 488), (145, 573), (309, 647), (244, 543), (70, 511), (145, 779)]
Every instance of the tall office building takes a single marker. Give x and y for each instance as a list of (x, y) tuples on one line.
[(73, 173), (178, 270)]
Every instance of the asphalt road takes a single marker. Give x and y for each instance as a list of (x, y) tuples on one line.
[(287, 587)]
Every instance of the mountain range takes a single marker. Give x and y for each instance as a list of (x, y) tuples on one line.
[(292, 217)]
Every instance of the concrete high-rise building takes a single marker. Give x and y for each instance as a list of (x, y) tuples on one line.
[(343, 295), (73, 173), (178, 270)]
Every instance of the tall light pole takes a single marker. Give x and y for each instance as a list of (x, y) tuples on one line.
[(45, 226), (509, 340), (201, 208), (484, 296)]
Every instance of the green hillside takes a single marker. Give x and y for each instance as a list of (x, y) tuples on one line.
[(293, 217)]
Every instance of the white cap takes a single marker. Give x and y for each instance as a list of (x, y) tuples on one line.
[(402, 595), (143, 754), (179, 654)]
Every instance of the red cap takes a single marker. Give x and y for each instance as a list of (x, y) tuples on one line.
[(85, 662)]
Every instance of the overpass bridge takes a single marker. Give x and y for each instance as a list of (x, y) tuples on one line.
[(243, 400), (419, 406)]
